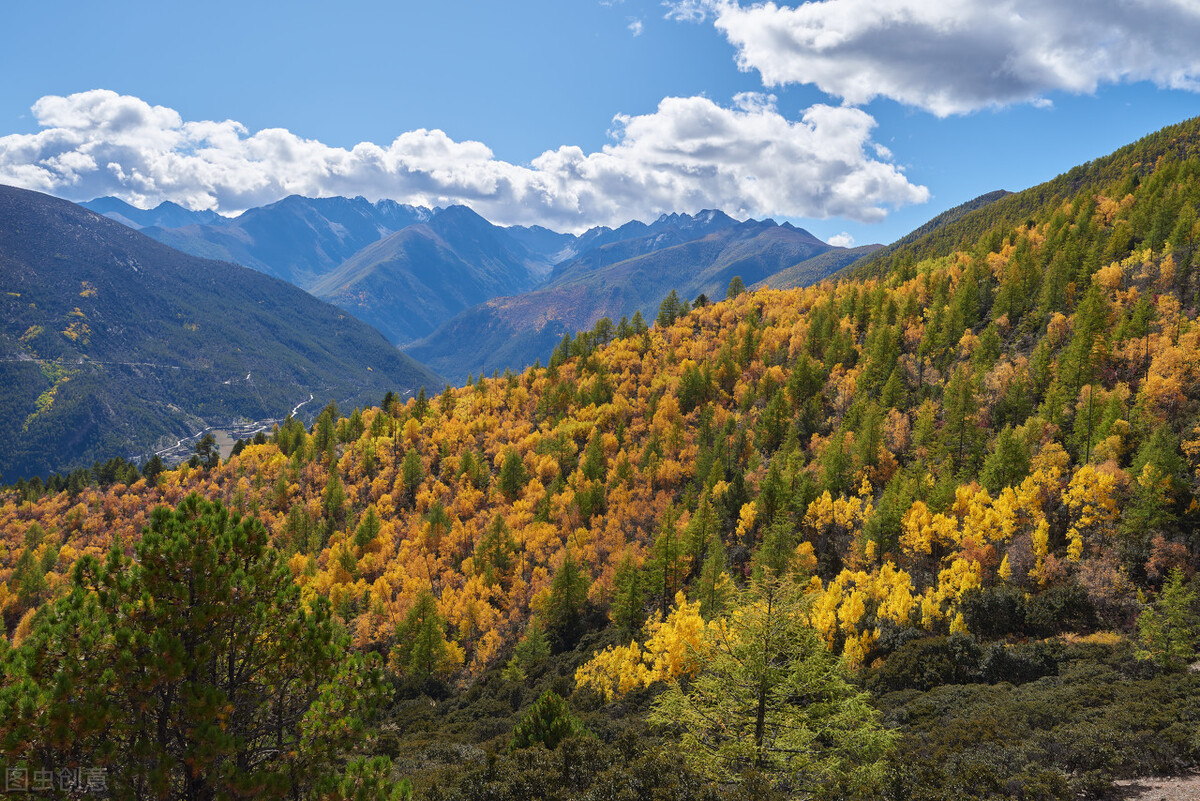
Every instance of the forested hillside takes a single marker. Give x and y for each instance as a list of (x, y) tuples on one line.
[(965, 481)]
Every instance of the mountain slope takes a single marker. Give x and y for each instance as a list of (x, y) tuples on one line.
[(932, 229), (982, 470), (614, 280), (814, 269), (414, 280), (297, 239), (111, 341)]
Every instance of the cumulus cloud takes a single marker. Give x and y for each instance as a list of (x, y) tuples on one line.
[(842, 240), (957, 56), (635, 26), (690, 153)]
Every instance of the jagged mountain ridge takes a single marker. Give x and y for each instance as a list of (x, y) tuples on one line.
[(164, 215), (450, 268), (297, 239)]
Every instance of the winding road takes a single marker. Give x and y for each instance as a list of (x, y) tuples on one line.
[(235, 432)]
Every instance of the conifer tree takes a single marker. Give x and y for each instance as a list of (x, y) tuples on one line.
[(412, 472), (494, 552), (714, 589), (152, 468), (568, 602), (770, 697), (668, 563), (701, 529), (1170, 627), (368, 528), (422, 652), (512, 474), (1007, 463), (325, 433), (421, 404), (547, 723), (593, 458), (207, 455), (959, 432), (532, 650), (333, 501), (192, 671), (627, 607)]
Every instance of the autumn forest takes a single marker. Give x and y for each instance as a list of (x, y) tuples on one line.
[(926, 530)]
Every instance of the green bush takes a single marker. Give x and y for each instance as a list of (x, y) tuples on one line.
[(992, 612), (1060, 609), (929, 662), (1019, 663)]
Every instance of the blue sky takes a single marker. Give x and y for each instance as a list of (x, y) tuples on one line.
[(853, 117)]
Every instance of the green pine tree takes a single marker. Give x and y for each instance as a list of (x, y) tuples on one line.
[(1169, 628), (513, 474), (567, 603), (191, 671), (547, 723), (422, 652), (627, 609)]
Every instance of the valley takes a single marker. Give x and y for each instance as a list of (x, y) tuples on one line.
[(465, 296), (111, 342), (225, 436)]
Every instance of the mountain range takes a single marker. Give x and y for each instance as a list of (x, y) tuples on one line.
[(410, 282), (691, 255), (164, 215), (297, 239), (112, 343), (466, 295)]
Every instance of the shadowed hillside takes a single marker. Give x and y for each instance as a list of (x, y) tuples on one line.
[(112, 342)]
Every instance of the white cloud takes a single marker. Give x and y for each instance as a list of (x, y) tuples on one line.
[(842, 240), (635, 26), (690, 153), (689, 10), (957, 56)]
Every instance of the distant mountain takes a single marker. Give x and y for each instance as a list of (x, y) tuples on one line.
[(810, 271), (563, 248), (111, 343), (165, 214), (549, 245), (409, 283), (408, 271), (640, 238), (692, 255), (298, 239)]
